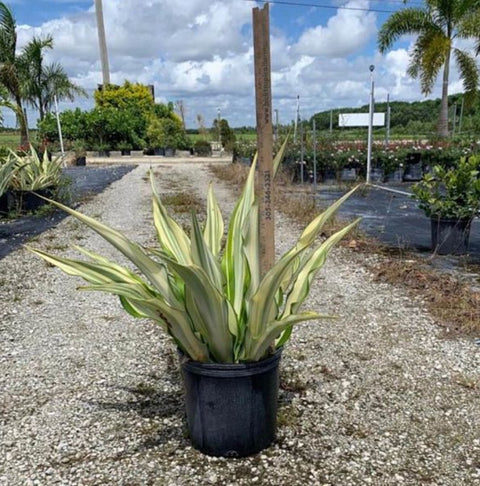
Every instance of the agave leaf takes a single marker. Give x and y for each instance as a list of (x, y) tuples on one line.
[(95, 273), (138, 311), (209, 305), (129, 290), (105, 261), (274, 328), (234, 262), (263, 304), (214, 226), (251, 249), (179, 324), (154, 271), (202, 256), (279, 156), (170, 235), (310, 233), (301, 285), (315, 227)]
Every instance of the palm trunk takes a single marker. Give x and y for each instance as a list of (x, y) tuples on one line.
[(442, 128), (22, 122), (40, 108)]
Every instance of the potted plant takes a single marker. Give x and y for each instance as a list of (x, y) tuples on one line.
[(33, 177), (125, 148), (202, 148), (228, 322), (80, 152), (413, 167), (103, 150), (8, 167), (451, 198)]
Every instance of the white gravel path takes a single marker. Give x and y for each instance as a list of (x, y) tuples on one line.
[(90, 396)]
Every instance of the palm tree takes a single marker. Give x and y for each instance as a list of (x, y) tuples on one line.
[(10, 76), (438, 25), (42, 83)]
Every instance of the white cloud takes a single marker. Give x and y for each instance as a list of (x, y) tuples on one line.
[(345, 33), (202, 53)]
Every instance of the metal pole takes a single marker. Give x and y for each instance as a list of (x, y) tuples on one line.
[(102, 43), (314, 157), (387, 131), (331, 121), (461, 116), (301, 152), (59, 129), (454, 119), (370, 126), (276, 124), (219, 130), (296, 120)]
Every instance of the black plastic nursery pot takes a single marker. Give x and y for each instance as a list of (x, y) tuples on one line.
[(232, 408), (450, 236), (81, 160), (395, 176), (413, 172), (28, 200), (4, 203)]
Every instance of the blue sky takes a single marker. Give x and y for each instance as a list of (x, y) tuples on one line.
[(200, 51)]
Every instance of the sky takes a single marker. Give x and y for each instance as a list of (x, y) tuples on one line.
[(201, 52)]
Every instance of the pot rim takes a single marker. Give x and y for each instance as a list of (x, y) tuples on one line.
[(230, 370), (440, 219)]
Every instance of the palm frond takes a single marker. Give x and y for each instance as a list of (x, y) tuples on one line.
[(469, 74), (8, 35), (403, 22)]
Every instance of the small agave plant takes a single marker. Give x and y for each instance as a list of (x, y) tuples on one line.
[(213, 302), (34, 173)]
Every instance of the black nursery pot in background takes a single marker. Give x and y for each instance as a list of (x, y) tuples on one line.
[(450, 236), (232, 408), (28, 200), (4, 203)]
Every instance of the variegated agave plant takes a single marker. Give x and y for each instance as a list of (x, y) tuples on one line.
[(214, 303), (34, 173)]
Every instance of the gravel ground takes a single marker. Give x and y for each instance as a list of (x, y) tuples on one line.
[(91, 396)]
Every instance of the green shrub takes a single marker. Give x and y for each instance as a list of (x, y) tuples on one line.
[(452, 193), (202, 148)]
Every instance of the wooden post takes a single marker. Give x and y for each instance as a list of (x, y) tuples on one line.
[(263, 99)]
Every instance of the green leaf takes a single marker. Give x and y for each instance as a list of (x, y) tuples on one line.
[(209, 306), (202, 256), (274, 328), (234, 261), (214, 227), (301, 285), (277, 161), (170, 235)]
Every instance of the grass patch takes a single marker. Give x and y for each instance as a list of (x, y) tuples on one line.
[(453, 304), (184, 202)]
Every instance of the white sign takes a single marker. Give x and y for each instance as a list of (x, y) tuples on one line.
[(360, 119)]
